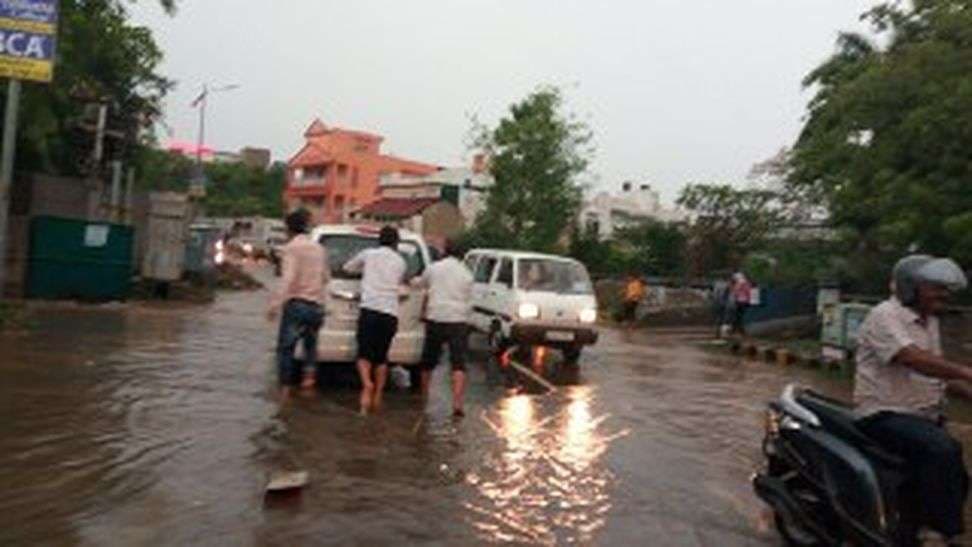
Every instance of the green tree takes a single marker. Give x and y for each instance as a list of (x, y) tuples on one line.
[(235, 189), (887, 144), (536, 155), (601, 257), (727, 223), (654, 247), (101, 56)]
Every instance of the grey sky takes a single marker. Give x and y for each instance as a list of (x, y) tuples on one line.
[(676, 91)]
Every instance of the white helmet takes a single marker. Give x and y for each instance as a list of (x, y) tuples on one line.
[(913, 270)]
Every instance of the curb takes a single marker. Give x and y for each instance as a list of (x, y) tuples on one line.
[(783, 357)]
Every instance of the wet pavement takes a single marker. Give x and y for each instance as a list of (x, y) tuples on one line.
[(142, 425)]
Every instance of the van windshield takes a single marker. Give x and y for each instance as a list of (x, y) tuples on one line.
[(342, 248), (558, 276)]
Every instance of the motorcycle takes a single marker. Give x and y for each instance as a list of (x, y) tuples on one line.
[(827, 482)]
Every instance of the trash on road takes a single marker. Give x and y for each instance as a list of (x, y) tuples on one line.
[(286, 481)]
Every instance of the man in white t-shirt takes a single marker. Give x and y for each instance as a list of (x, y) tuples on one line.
[(447, 314), (383, 272)]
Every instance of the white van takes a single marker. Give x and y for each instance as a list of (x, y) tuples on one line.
[(524, 298), (336, 342)]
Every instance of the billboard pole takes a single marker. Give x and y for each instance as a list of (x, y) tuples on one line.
[(6, 170)]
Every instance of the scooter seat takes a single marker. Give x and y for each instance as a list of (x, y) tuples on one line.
[(840, 420)]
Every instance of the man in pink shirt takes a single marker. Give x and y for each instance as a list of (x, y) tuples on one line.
[(301, 298), (741, 292)]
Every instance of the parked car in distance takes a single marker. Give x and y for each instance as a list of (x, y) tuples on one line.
[(336, 343), (522, 298)]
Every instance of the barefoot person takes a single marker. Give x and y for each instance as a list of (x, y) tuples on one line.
[(447, 314), (383, 272), (300, 296)]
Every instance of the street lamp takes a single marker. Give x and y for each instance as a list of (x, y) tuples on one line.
[(201, 101)]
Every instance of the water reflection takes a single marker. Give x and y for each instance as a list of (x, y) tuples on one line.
[(546, 481)]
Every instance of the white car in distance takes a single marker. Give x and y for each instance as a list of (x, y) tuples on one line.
[(533, 299)]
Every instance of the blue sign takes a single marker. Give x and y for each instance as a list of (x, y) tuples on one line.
[(28, 39)]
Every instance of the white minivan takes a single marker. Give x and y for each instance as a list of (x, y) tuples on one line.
[(336, 342), (522, 298)]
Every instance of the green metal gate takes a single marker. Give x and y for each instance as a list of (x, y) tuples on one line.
[(79, 259)]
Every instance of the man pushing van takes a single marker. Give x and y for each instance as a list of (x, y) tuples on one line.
[(382, 272), (447, 315)]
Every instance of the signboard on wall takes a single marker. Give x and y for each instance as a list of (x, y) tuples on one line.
[(28, 39)]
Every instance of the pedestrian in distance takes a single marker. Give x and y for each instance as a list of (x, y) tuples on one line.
[(382, 272), (300, 298), (634, 292), (741, 292), (447, 311)]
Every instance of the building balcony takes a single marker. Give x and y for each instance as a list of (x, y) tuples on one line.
[(303, 190)]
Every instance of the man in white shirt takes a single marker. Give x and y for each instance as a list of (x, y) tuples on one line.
[(447, 314), (383, 272), (900, 388)]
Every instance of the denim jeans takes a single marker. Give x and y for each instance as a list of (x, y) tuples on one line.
[(936, 469), (301, 321)]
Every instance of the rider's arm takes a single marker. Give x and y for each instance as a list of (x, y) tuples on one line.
[(930, 364)]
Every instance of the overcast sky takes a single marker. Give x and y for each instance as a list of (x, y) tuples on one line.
[(676, 91)]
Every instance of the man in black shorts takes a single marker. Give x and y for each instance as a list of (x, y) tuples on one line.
[(383, 272), (449, 303)]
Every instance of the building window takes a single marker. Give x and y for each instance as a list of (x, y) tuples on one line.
[(314, 174), (354, 178), (342, 172)]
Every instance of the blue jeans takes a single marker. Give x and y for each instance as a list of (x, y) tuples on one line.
[(301, 321)]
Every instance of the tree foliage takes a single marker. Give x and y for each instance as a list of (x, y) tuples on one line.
[(653, 247), (536, 154), (727, 223), (887, 144), (234, 189), (101, 56)]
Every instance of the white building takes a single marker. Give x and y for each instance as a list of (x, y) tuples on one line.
[(606, 212), (464, 187)]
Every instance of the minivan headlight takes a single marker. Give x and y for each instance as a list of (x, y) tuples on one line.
[(528, 311), (588, 315)]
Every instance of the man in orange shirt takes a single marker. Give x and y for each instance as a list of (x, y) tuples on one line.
[(300, 296), (634, 292)]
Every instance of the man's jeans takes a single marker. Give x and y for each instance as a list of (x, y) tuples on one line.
[(937, 473), (301, 321)]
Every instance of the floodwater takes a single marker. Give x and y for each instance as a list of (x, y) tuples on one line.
[(141, 425)]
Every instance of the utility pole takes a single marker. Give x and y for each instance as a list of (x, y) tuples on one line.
[(116, 182), (203, 99), (6, 170)]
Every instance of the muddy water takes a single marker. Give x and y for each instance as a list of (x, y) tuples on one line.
[(142, 426)]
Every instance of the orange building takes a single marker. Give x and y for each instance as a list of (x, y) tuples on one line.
[(338, 170)]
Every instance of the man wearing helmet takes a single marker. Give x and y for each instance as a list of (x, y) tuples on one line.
[(900, 387)]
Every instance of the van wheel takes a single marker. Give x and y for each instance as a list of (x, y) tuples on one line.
[(572, 355)]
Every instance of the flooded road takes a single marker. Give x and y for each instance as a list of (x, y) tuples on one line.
[(136, 425)]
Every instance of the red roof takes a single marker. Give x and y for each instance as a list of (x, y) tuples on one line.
[(397, 207)]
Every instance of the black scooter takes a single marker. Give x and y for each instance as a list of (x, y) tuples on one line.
[(827, 482)]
